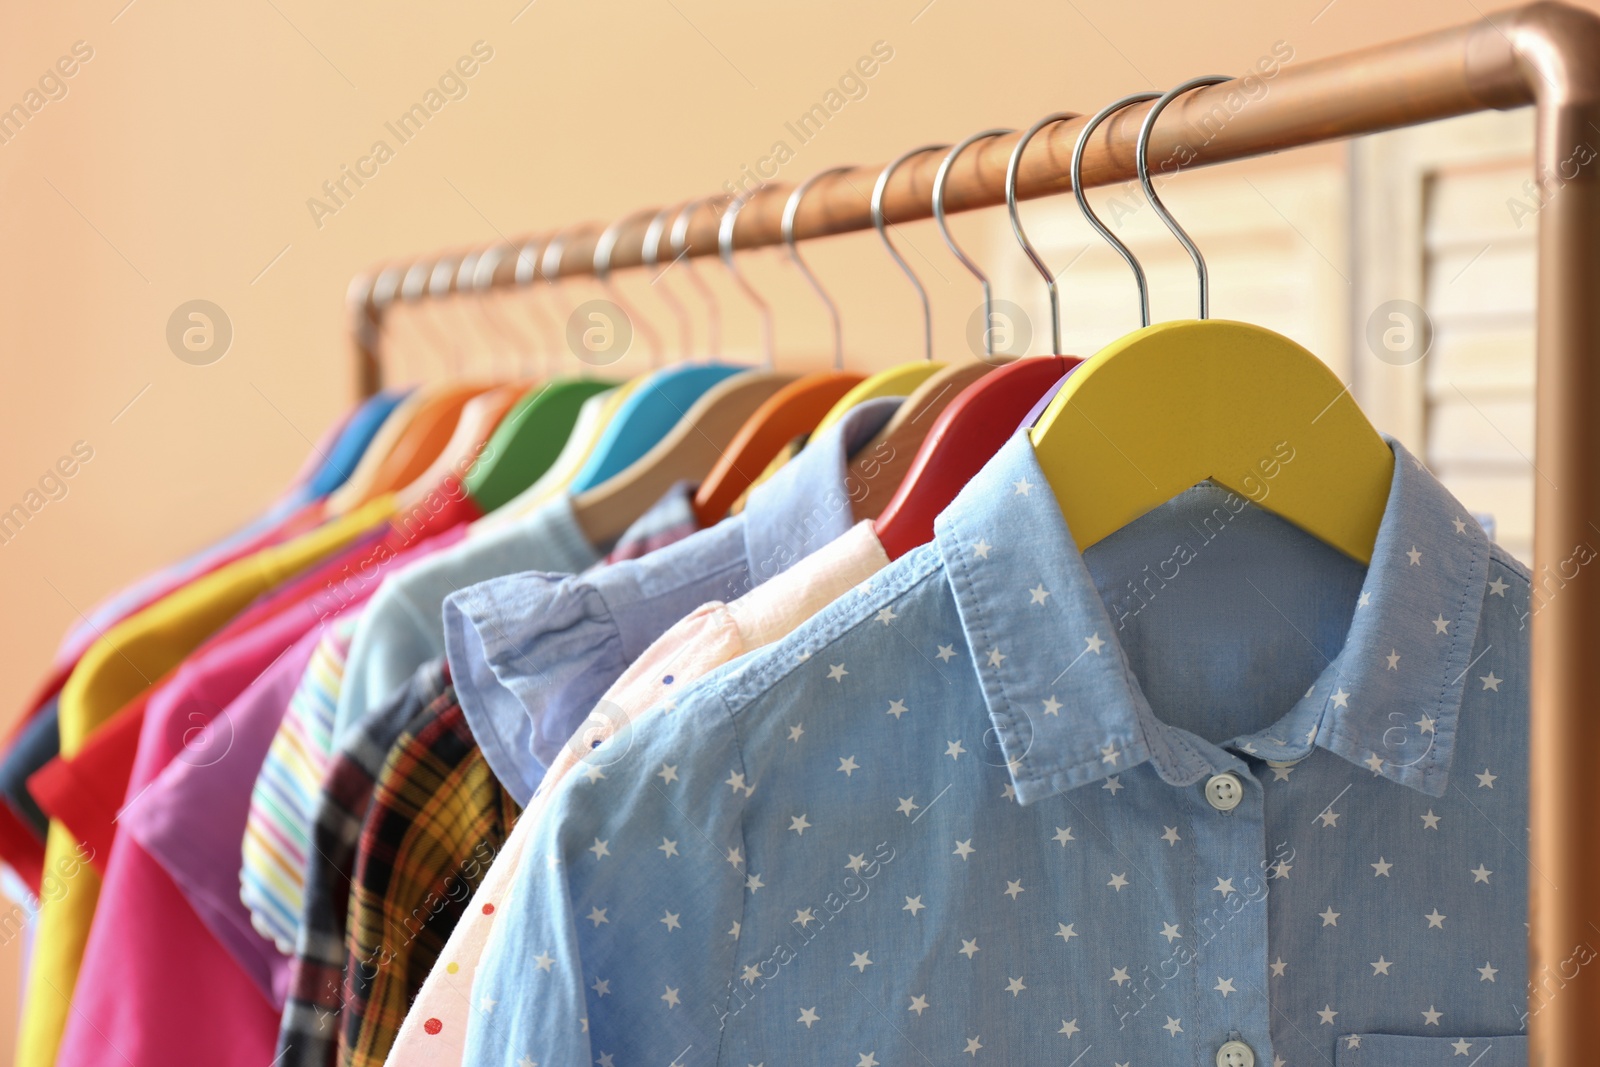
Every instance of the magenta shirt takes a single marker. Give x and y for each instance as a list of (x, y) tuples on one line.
[(173, 971), (192, 819)]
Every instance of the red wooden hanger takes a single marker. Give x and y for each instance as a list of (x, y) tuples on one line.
[(967, 435), (980, 420), (791, 412)]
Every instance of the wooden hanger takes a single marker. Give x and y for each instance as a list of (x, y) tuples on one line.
[(1178, 403), (687, 453), (527, 441), (793, 411), (896, 381), (593, 416), (965, 437), (479, 417), (902, 379), (980, 420), (592, 420), (696, 442), (430, 429), (529, 436), (358, 486), (883, 462), (660, 402), (431, 419)]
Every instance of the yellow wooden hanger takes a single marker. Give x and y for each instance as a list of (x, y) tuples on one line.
[(1178, 403)]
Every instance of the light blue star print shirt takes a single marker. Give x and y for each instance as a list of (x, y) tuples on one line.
[(1210, 792)]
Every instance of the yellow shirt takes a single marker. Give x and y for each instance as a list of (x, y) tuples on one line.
[(120, 665)]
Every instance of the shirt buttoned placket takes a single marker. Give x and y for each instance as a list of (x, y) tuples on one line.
[(1228, 959)]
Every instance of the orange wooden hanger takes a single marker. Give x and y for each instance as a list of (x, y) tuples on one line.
[(479, 418), (791, 412), (430, 431)]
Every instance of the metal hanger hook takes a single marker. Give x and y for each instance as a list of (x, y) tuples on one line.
[(414, 286), (525, 273), (606, 243), (730, 216), (881, 223), (680, 245), (527, 262), (1142, 157), (604, 246), (450, 277), (1088, 212), (650, 253), (555, 249), (476, 280), (1012, 166), (791, 208), (939, 180), (385, 288)]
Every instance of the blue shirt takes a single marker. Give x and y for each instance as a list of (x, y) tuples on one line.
[(531, 654), (400, 629), (1209, 782)]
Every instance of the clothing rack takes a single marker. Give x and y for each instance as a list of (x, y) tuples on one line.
[(1544, 54)]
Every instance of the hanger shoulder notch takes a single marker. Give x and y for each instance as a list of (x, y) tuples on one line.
[(1177, 403)]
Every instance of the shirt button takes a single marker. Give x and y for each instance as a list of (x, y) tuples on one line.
[(1235, 1053), (1224, 792)]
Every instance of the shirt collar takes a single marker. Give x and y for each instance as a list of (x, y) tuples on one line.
[(1068, 709), (807, 504)]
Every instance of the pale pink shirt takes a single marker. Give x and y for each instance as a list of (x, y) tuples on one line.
[(435, 1028)]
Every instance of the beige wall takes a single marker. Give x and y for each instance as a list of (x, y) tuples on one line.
[(179, 163)]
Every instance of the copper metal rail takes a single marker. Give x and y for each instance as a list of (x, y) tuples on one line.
[(1545, 54)]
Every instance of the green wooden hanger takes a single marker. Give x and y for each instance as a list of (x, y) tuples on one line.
[(529, 439)]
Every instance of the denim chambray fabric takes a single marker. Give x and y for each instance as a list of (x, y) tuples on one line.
[(532, 653), (970, 813)]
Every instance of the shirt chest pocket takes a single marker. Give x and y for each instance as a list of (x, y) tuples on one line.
[(1388, 1050)]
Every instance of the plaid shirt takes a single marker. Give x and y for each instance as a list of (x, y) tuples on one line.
[(308, 1032), (438, 819)]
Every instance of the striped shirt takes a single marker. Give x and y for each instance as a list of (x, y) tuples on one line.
[(278, 834)]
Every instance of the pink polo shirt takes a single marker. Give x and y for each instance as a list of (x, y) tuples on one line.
[(435, 1028)]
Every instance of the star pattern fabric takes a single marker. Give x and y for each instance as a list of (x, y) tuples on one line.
[(1191, 804), (434, 1032)]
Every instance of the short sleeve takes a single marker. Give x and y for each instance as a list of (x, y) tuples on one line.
[(620, 932), (523, 650)]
